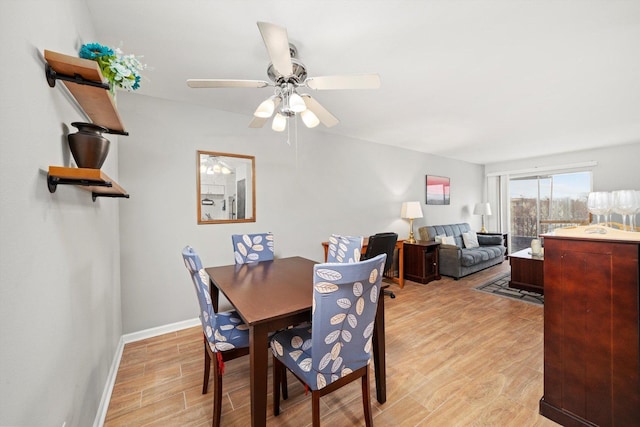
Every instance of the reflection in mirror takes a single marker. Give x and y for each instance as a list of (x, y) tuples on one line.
[(226, 188)]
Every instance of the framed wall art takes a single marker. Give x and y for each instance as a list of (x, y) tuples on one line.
[(438, 190)]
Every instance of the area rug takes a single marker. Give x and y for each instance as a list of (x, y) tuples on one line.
[(500, 287)]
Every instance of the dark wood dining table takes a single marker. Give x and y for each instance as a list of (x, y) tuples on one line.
[(272, 295)]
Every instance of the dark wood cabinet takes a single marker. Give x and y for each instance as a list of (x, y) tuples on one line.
[(591, 334), (527, 271), (421, 261)]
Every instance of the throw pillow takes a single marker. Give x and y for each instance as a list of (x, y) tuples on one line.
[(448, 240), (439, 238), (470, 239), (490, 240)]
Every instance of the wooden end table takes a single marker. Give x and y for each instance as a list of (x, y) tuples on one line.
[(527, 271), (421, 261)]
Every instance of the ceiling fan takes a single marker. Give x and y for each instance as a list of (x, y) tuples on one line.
[(288, 75)]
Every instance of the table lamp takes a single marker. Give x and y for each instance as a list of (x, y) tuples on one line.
[(482, 209), (411, 210)]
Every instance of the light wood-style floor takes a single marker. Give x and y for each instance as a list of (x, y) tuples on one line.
[(455, 357)]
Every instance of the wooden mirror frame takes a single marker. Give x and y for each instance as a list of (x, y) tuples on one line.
[(222, 195)]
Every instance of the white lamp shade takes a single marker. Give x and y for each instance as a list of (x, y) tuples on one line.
[(411, 210), (279, 123), (309, 119), (482, 209), (296, 103), (265, 109)]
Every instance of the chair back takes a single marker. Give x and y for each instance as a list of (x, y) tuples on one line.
[(201, 283), (344, 248), (345, 300), (249, 248), (382, 243)]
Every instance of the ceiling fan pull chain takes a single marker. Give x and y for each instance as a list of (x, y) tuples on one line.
[(295, 130), (296, 141), (289, 130)]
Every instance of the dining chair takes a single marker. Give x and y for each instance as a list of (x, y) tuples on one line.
[(336, 349), (248, 248), (344, 248), (226, 336), (382, 243)]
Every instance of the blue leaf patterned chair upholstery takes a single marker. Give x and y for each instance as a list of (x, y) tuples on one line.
[(226, 336), (344, 248), (336, 349), (252, 247)]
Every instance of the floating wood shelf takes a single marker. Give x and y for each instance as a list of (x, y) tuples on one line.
[(93, 180), (84, 80)]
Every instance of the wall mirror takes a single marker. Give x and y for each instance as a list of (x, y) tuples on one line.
[(226, 185)]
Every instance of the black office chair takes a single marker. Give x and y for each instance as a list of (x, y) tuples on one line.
[(382, 243)]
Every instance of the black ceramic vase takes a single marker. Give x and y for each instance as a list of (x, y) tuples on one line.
[(88, 147)]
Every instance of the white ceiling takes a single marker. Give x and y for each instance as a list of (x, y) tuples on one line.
[(481, 81)]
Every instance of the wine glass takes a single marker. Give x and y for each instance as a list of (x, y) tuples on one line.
[(605, 201), (636, 212), (597, 204), (624, 204)]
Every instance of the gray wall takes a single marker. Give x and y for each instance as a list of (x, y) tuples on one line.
[(305, 191), (60, 319)]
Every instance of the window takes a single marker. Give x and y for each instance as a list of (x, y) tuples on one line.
[(540, 204)]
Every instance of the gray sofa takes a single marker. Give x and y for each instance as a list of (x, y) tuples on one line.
[(458, 261)]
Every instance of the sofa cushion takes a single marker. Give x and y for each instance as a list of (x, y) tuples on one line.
[(473, 256), (470, 239), (490, 240), (455, 230), (448, 240)]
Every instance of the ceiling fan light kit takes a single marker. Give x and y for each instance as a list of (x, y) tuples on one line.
[(287, 74), (309, 119), (279, 123), (266, 108)]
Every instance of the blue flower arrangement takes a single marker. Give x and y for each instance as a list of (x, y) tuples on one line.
[(120, 70)]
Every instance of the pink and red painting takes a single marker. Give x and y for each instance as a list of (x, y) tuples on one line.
[(438, 190)]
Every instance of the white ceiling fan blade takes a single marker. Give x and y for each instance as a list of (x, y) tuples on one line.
[(357, 81), (258, 122), (325, 117), (224, 83), (277, 42)]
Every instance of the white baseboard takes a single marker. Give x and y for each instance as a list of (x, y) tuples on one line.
[(108, 387), (159, 330), (125, 339)]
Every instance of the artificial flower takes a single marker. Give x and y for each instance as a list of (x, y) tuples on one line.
[(120, 70), (94, 51)]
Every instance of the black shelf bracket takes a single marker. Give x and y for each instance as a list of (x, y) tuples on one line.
[(119, 132), (52, 76), (54, 181), (94, 196)]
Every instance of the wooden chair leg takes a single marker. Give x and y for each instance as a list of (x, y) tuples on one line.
[(315, 408), (207, 368), (283, 381), (366, 399), (277, 380), (217, 393)]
